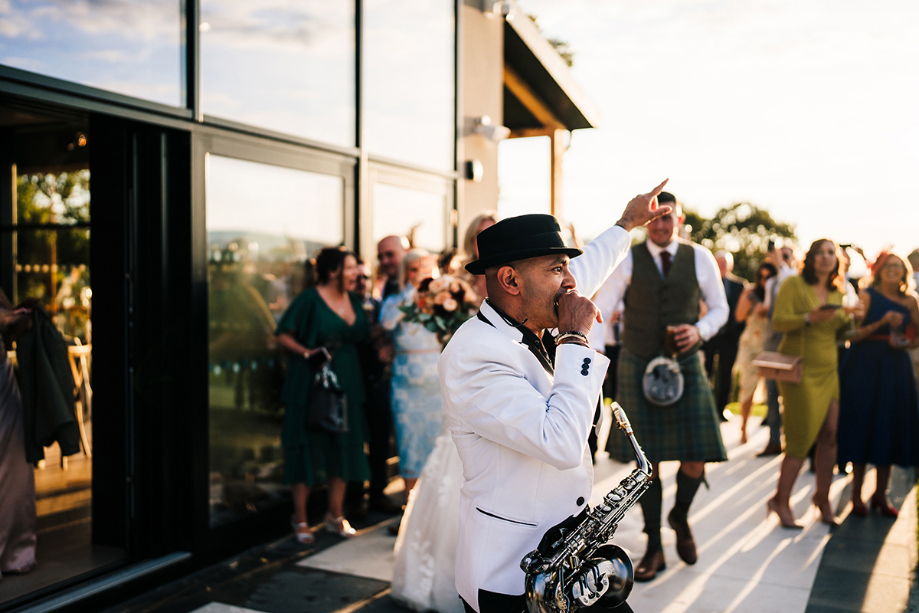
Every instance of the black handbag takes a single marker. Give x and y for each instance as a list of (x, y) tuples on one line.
[(328, 407)]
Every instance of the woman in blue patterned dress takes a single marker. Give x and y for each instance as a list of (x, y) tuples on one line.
[(879, 408), (416, 400)]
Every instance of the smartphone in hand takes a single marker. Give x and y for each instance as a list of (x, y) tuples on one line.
[(830, 307)]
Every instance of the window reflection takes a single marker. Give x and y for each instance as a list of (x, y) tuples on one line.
[(409, 212), (262, 223), (52, 261), (409, 80), (285, 65), (131, 47)]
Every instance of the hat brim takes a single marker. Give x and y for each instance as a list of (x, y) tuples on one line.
[(478, 267)]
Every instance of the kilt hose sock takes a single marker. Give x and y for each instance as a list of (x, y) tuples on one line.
[(686, 488), (651, 502)]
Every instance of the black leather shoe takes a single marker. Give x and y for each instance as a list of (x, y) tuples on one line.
[(650, 565), (770, 450), (685, 545)]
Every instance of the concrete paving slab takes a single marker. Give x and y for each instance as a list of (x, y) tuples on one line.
[(217, 607), (368, 554)]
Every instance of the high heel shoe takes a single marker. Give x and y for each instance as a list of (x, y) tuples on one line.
[(884, 507), (826, 515), (859, 508), (773, 507), (302, 532), (339, 525)]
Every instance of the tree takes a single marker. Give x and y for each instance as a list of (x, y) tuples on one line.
[(744, 229)]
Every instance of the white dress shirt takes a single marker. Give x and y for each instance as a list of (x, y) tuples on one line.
[(707, 274)]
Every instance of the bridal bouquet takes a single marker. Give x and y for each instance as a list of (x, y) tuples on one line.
[(441, 305)]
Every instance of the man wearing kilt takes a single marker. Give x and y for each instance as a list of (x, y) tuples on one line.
[(661, 283)]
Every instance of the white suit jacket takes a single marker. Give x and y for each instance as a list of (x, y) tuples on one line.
[(521, 433)]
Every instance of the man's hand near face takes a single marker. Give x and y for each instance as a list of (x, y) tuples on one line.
[(576, 313)]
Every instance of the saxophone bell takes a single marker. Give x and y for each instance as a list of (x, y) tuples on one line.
[(605, 580)]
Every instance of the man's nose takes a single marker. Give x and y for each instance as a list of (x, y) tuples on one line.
[(568, 282)]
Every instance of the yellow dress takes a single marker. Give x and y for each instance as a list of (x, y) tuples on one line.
[(806, 403)]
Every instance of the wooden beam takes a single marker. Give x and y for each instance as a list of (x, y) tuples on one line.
[(531, 132), (557, 144), (530, 100)]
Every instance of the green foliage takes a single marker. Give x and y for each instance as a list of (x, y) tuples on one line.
[(562, 47), (52, 262), (744, 229)]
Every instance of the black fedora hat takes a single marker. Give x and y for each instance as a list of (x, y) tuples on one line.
[(519, 238)]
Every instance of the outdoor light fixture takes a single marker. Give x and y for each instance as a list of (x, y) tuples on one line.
[(505, 8), (474, 171), (492, 132)]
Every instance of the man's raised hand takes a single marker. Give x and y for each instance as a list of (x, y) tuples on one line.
[(644, 208)]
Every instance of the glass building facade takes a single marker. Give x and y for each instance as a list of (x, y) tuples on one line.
[(167, 169)]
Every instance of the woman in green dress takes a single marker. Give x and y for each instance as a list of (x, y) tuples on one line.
[(808, 309), (324, 322)]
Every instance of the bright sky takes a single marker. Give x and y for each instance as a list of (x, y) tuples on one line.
[(808, 109)]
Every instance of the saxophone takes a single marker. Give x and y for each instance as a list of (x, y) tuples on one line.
[(576, 566)]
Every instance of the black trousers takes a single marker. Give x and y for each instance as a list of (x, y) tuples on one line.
[(726, 350), (490, 602), (379, 433)]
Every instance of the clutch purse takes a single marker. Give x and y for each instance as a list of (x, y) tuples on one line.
[(328, 406), (778, 366)]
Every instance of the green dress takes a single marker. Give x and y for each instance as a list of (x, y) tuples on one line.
[(806, 403), (312, 457)]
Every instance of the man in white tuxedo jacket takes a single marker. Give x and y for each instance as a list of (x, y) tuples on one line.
[(519, 403)]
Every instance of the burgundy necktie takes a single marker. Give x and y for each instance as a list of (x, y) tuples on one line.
[(665, 262)]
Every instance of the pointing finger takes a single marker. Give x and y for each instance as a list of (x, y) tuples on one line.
[(657, 190)]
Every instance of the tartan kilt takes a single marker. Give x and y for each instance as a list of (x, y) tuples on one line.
[(686, 431)]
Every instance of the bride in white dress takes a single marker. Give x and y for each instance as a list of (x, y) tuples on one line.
[(423, 572)]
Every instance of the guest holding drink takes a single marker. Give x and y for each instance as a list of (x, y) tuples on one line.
[(879, 407), (662, 283), (808, 309), (752, 309)]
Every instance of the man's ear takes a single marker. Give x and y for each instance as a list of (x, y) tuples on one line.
[(508, 279)]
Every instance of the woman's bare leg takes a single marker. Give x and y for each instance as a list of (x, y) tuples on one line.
[(825, 461), (858, 479), (745, 406), (880, 492)]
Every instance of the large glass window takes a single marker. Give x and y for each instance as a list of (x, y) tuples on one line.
[(131, 47), (403, 211), (299, 74), (263, 222), (409, 83), (45, 233)]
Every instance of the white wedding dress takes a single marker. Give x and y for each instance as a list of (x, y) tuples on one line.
[(425, 551)]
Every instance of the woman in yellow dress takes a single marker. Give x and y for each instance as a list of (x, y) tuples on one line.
[(808, 309)]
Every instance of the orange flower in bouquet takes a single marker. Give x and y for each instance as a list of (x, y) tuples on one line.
[(441, 305)]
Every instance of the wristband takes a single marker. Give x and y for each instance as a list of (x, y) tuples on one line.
[(573, 334)]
